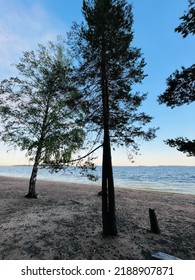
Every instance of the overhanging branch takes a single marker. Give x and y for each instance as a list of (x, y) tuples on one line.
[(80, 158)]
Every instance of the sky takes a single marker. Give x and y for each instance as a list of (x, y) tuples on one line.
[(25, 23)]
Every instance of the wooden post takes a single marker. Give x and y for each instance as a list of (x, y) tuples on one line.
[(153, 222)]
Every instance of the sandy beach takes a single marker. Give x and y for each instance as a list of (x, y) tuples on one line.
[(65, 223)]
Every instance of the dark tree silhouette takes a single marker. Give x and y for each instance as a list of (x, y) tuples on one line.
[(181, 88), (183, 145), (181, 84), (187, 25), (107, 68)]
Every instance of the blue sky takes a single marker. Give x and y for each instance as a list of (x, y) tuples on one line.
[(25, 23)]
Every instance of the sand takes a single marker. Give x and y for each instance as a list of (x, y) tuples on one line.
[(65, 223)]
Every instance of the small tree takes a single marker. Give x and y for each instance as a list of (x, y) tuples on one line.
[(38, 111), (109, 66), (181, 84)]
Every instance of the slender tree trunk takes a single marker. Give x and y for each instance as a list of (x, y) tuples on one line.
[(33, 178), (108, 197), (32, 182)]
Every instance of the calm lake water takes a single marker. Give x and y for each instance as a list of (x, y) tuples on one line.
[(177, 179)]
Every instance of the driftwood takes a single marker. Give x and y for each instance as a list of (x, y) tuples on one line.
[(153, 222)]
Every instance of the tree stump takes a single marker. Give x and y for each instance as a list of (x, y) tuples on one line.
[(153, 222), (100, 193)]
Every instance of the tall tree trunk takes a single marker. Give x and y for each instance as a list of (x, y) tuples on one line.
[(108, 197)]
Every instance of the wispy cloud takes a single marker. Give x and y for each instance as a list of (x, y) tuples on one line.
[(24, 24)]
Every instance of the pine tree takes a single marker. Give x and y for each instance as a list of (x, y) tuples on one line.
[(181, 84), (187, 26), (107, 68)]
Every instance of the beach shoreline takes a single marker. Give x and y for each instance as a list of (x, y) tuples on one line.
[(164, 179), (65, 223)]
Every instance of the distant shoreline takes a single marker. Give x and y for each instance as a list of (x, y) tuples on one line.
[(113, 165)]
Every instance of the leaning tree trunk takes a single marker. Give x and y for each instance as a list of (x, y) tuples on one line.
[(33, 178)]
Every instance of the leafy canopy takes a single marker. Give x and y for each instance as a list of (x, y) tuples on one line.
[(38, 106)]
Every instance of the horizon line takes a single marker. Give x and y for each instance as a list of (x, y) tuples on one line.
[(140, 165)]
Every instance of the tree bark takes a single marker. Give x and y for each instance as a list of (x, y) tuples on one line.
[(32, 183), (33, 178), (108, 196)]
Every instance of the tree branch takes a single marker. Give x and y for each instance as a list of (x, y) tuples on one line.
[(85, 155)]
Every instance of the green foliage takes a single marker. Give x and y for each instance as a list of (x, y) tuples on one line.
[(181, 88), (187, 25), (181, 84), (183, 145), (39, 109), (106, 38)]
